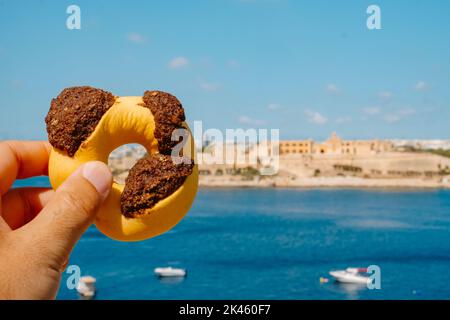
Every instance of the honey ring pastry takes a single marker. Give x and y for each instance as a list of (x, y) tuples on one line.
[(86, 124)]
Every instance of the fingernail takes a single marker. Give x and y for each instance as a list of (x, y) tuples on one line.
[(98, 174)]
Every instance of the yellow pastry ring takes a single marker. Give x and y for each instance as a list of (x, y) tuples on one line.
[(127, 122)]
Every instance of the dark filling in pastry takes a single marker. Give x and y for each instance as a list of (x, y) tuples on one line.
[(168, 114), (73, 116), (150, 180)]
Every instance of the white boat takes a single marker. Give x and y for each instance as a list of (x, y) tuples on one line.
[(170, 272), (86, 286), (351, 275)]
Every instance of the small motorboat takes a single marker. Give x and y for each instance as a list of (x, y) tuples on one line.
[(170, 272), (351, 275), (86, 286)]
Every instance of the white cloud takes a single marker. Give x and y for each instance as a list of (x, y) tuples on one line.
[(385, 95), (315, 117), (137, 38), (209, 86), (371, 111), (250, 121), (178, 63), (406, 112), (392, 117), (343, 120), (332, 88), (398, 115), (274, 106), (421, 86)]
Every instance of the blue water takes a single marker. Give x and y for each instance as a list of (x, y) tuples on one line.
[(276, 243)]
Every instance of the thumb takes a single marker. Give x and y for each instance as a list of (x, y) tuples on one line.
[(73, 207)]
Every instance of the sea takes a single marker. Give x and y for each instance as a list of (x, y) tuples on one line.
[(277, 244)]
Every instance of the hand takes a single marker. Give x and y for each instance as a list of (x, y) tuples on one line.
[(39, 227)]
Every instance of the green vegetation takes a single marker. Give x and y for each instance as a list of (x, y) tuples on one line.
[(345, 167), (249, 172), (440, 152), (245, 172)]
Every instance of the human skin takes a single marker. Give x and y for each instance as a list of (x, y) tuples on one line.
[(38, 226)]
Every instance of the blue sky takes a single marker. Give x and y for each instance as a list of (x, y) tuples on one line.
[(305, 67)]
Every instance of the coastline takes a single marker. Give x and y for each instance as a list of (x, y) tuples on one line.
[(393, 170), (328, 183)]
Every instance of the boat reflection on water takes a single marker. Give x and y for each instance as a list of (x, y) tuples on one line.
[(351, 290), (171, 280), (81, 297)]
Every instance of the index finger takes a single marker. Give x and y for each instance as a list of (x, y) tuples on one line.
[(22, 159)]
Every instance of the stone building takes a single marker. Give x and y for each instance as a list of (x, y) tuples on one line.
[(335, 146)]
